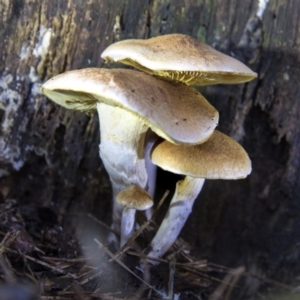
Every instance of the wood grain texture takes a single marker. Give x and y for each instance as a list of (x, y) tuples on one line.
[(50, 156)]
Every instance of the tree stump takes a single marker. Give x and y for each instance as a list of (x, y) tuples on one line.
[(49, 156)]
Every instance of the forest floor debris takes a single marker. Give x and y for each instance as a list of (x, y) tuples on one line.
[(39, 259)]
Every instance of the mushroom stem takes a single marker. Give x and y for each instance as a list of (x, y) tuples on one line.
[(132, 198), (127, 224), (180, 208), (151, 138), (122, 153)]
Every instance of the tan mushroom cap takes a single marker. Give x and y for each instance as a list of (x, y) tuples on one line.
[(174, 111), (134, 197), (179, 57), (221, 157)]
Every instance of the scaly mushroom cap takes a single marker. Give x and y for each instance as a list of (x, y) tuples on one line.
[(221, 157), (175, 111), (179, 57), (134, 197)]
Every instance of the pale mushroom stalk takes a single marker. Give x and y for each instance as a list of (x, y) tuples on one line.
[(220, 157), (180, 208), (122, 152), (127, 224), (151, 138), (132, 198)]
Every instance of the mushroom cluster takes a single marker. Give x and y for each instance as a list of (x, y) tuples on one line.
[(154, 118)]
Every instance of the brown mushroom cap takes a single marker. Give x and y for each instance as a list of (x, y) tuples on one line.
[(174, 111), (134, 197), (221, 157), (179, 57)]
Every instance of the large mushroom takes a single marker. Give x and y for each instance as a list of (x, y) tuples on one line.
[(181, 58), (129, 103), (220, 157)]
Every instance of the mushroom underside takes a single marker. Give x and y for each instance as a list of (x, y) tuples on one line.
[(193, 77)]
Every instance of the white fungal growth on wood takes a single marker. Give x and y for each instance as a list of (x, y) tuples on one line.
[(10, 101), (262, 5), (41, 48), (25, 50), (33, 75), (44, 39)]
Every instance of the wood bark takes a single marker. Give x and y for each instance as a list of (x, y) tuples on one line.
[(49, 156)]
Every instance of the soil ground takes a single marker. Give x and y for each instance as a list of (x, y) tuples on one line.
[(42, 260)]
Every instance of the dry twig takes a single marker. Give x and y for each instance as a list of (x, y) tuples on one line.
[(124, 266)]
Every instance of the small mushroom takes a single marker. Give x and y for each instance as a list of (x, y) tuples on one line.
[(179, 57), (132, 198), (129, 103), (220, 157)]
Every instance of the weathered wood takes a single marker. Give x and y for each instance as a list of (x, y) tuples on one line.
[(50, 155)]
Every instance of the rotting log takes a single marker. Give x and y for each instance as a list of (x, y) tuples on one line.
[(50, 156)]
